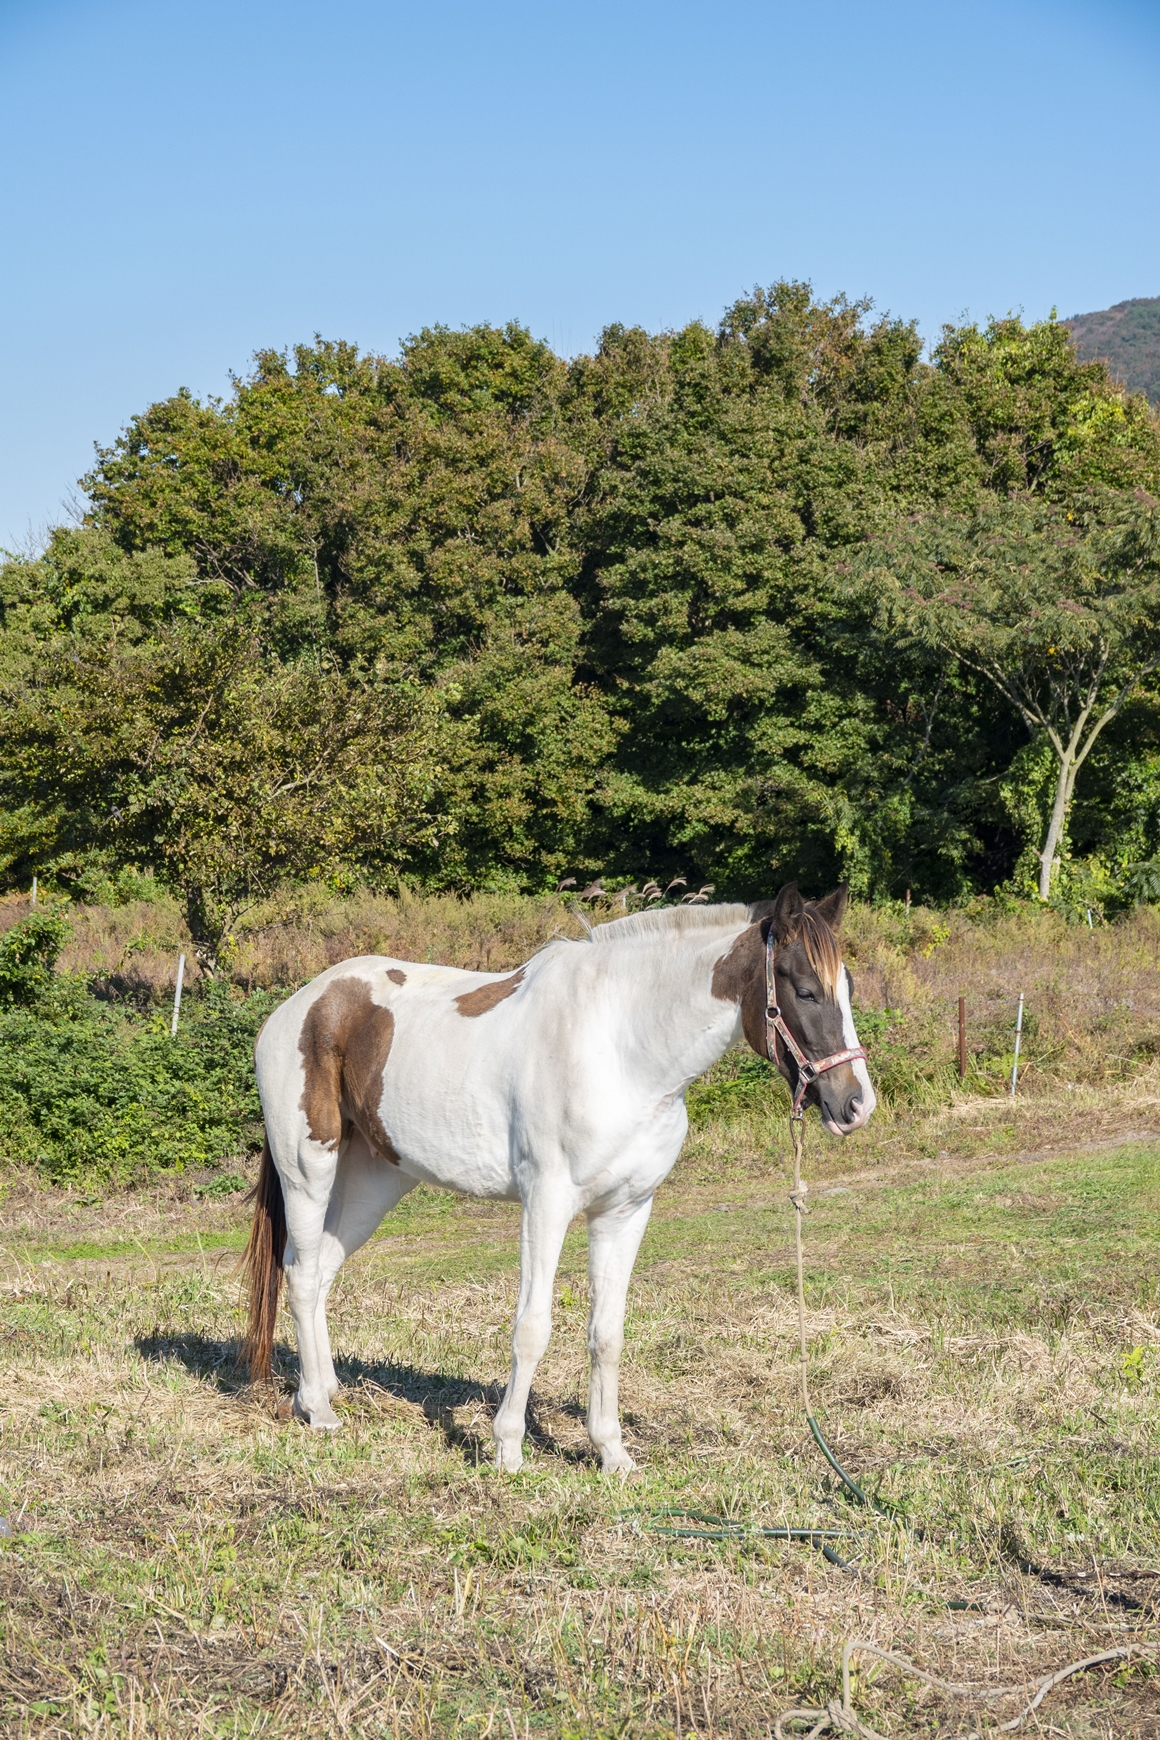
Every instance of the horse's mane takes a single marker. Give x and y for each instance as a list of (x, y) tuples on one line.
[(637, 924), (821, 948), (817, 938)]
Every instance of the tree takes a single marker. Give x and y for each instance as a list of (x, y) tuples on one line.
[(415, 514), (764, 728), (1058, 611), (618, 581), (223, 769), (1042, 421)]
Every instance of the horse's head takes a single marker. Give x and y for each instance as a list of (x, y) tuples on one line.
[(811, 995), (811, 989)]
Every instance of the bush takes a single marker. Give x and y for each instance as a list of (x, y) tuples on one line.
[(88, 1092), (28, 956)]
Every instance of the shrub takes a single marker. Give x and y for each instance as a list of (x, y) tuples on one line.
[(88, 1092), (28, 956)]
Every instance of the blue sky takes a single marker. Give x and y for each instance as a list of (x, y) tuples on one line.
[(182, 184)]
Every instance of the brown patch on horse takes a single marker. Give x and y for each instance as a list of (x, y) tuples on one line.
[(396, 976), (344, 1042), (485, 997), (739, 977)]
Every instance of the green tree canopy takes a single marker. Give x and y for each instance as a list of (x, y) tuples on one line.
[(621, 585), (1059, 612), (227, 771)]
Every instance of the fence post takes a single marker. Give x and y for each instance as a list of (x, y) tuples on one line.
[(34, 891), (177, 995), (962, 1039), (908, 903), (1018, 1037)]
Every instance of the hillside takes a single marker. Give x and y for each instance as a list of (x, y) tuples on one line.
[(1127, 338)]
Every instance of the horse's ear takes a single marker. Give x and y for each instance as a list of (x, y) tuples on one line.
[(787, 913), (833, 907)]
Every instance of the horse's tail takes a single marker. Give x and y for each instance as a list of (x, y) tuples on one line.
[(263, 1264)]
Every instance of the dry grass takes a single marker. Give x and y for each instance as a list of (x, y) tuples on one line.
[(1093, 996), (291, 939), (985, 1352), (131, 951)]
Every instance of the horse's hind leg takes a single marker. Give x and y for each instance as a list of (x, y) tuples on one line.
[(307, 1183), (365, 1189), (613, 1240)]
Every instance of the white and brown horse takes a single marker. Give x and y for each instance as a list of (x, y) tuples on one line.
[(561, 1085)]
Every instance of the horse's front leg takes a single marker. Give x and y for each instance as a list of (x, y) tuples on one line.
[(614, 1237), (542, 1228)]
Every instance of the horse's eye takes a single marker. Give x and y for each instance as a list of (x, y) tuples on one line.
[(806, 996)]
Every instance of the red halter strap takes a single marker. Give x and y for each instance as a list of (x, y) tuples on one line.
[(808, 1069)]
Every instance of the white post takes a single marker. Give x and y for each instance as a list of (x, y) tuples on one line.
[(34, 891), (1018, 1037), (1091, 926), (177, 996)]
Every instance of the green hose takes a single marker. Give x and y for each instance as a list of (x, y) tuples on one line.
[(722, 1529)]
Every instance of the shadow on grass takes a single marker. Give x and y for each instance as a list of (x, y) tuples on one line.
[(438, 1394), (219, 1361)]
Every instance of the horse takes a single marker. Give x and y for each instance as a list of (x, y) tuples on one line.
[(560, 1085)]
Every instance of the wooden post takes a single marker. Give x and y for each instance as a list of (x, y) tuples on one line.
[(177, 995), (908, 903), (34, 891), (962, 1039)]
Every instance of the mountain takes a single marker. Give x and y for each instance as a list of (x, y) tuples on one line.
[(1127, 338)]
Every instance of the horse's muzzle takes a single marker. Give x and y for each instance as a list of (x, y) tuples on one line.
[(842, 1114)]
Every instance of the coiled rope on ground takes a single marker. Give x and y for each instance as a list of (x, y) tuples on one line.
[(840, 1717)]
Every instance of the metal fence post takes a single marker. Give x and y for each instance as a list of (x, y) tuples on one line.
[(177, 995), (1018, 1037)]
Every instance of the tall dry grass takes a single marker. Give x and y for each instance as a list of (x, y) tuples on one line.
[(1092, 1009), (131, 951), (1092, 1012)]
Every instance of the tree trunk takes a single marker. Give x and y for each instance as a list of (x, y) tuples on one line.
[(1064, 786), (206, 925)]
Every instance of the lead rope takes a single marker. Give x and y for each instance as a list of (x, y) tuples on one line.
[(798, 1197)]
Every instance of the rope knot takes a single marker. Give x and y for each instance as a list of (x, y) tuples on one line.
[(798, 1196), (835, 1716)]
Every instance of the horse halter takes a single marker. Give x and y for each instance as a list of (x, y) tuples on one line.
[(808, 1069)]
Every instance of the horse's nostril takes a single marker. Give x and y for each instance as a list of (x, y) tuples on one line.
[(853, 1108)]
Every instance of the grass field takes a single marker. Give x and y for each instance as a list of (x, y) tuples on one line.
[(984, 1301)]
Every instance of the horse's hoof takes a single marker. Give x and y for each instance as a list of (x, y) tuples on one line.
[(616, 1461), (320, 1419), (509, 1458)]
